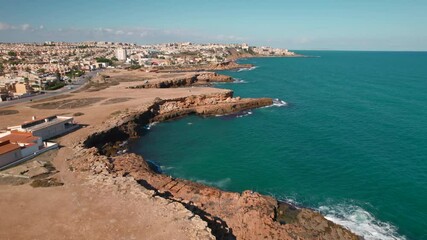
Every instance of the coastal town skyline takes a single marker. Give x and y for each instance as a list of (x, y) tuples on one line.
[(327, 25)]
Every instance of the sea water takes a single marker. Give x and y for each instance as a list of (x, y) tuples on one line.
[(348, 137)]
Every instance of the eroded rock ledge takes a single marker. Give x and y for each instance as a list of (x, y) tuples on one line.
[(247, 215), (197, 79), (230, 65)]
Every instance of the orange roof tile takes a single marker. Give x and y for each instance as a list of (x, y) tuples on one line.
[(7, 146), (19, 137)]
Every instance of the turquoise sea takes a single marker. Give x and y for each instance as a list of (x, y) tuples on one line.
[(351, 141)]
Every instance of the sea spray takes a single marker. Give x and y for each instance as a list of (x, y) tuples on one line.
[(360, 221)]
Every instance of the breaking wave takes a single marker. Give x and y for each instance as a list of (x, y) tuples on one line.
[(360, 222), (247, 69), (238, 80), (352, 217), (148, 126), (244, 114), (277, 103), (235, 115)]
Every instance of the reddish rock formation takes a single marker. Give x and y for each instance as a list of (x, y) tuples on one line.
[(248, 215), (198, 79)]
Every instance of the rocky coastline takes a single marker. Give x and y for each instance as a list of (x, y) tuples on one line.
[(197, 79), (228, 215)]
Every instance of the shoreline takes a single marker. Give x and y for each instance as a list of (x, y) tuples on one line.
[(88, 158), (281, 217)]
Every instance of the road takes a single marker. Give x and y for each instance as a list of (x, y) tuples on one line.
[(77, 84)]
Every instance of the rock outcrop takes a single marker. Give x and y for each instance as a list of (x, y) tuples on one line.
[(205, 78), (229, 215), (227, 65)]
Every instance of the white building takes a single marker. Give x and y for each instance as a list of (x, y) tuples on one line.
[(17, 145), (121, 54), (48, 127)]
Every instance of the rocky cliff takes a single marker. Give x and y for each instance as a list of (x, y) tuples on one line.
[(197, 79), (229, 65), (247, 215)]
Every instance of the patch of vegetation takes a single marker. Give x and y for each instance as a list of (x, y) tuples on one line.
[(75, 73), (53, 98), (68, 104), (11, 53), (55, 85), (41, 71), (8, 112), (116, 100), (104, 60), (93, 86), (134, 67), (49, 182), (78, 114)]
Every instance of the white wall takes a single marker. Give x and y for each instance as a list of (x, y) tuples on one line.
[(10, 157)]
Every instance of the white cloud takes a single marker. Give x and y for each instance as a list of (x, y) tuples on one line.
[(25, 27), (4, 26), (130, 34), (22, 27)]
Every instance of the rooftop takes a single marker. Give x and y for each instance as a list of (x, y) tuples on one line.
[(42, 123), (19, 137), (7, 146)]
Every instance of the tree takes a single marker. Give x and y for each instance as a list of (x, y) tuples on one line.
[(1, 69), (11, 53), (104, 60), (41, 71), (114, 59), (58, 75)]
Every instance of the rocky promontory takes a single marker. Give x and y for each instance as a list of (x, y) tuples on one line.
[(197, 79), (227, 65), (229, 215)]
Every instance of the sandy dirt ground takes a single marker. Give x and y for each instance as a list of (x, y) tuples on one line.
[(81, 209)]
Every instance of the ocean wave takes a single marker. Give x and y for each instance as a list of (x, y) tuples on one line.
[(238, 80), (235, 115), (220, 183), (148, 126), (277, 103), (247, 69), (244, 114), (360, 222), (166, 168)]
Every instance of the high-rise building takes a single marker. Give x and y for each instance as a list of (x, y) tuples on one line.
[(121, 54)]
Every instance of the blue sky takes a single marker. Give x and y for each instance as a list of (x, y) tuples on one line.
[(302, 24)]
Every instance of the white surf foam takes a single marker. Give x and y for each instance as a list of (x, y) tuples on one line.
[(220, 183), (236, 115), (166, 168), (360, 222), (247, 69), (277, 103), (238, 80), (148, 126), (244, 114)]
